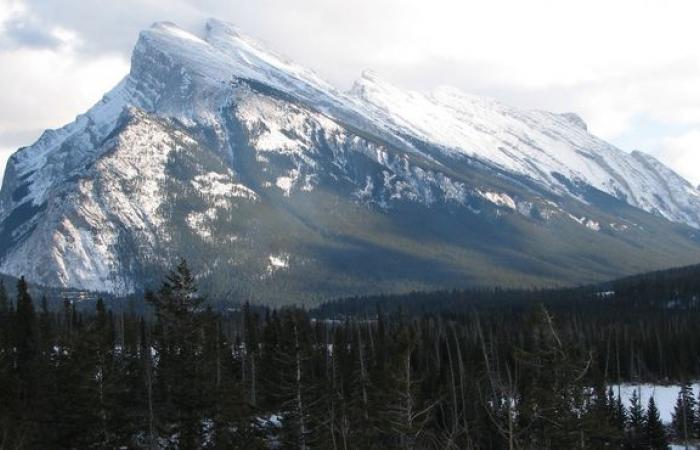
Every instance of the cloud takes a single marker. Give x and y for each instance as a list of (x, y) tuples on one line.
[(47, 80), (612, 62), (22, 33), (683, 153), (4, 155)]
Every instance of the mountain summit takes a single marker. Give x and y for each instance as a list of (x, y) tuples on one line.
[(277, 186)]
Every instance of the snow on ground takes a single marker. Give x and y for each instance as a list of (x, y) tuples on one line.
[(285, 184), (221, 187), (588, 223), (664, 396), (197, 221), (499, 199), (277, 262), (539, 145)]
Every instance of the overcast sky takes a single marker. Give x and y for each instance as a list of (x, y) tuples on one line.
[(630, 68)]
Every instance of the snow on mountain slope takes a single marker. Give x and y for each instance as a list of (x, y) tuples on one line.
[(177, 74), (540, 145), (78, 235), (211, 137)]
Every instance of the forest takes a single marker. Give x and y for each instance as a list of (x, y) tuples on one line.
[(470, 369)]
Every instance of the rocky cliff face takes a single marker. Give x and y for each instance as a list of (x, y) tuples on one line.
[(276, 186)]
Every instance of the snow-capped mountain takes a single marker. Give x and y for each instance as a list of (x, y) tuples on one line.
[(269, 180), (552, 149)]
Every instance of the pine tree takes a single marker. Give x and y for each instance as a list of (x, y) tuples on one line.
[(295, 384), (600, 422), (179, 341), (404, 414), (4, 300), (26, 345), (619, 413), (654, 434), (234, 423), (635, 422), (552, 373), (8, 379), (44, 327), (684, 413)]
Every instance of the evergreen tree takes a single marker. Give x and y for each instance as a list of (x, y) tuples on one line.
[(635, 422), (4, 300), (295, 382), (619, 413), (8, 379), (684, 414), (654, 434), (552, 381), (179, 342), (190, 378), (600, 420), (26, 345)]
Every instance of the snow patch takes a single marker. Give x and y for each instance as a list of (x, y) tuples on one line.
[(664, 396), (285, 184), (198, 222), (588, 223), (277, 262), (499, 199), (220, 187)]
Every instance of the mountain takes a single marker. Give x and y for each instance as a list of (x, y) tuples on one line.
[(277, 186)]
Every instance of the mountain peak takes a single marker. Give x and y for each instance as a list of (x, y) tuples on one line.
[(215, 26), (371, 86), (172, 30), (220, 129), (576, 120), (370, 77)]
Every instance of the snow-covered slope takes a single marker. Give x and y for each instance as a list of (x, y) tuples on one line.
[(219, 149), (540, 145)]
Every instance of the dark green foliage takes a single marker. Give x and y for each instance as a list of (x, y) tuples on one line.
[(684, 414), (178, 340), (506, 376), (4, 300), (635, 423), (26, 345), (654, 435)]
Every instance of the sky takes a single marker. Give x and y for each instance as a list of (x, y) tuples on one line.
[(630, 68)]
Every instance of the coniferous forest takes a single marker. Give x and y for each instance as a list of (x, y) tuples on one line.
[(480, 369)]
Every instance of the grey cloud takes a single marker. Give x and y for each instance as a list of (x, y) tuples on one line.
[(17, 138), (340, 39), (23, 32), (10, 141), (111, 26)]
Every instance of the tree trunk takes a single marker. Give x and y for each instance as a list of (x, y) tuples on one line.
[(300, 402)]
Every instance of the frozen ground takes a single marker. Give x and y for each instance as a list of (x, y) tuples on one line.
[(664, 396)]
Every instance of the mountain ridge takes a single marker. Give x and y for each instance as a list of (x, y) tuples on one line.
[(213, 144)]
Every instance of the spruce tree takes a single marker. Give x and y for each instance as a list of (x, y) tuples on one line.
[(26, 345), (684, 413), (654, 434), (4, 300), (635, 422), (619, 413), (8, 380), (179, 342)]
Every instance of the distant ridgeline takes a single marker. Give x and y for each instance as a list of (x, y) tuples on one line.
[(673, 289), (642, 327)]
